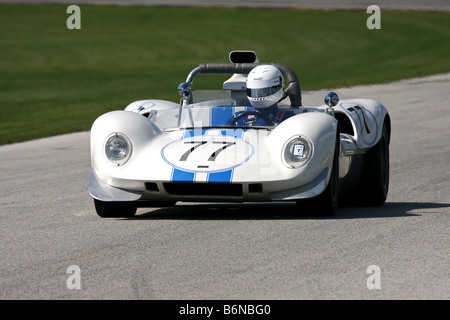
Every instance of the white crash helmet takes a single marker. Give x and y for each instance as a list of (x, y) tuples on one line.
[(265, 86)]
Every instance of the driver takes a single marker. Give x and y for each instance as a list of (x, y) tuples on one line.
[(264, 90)]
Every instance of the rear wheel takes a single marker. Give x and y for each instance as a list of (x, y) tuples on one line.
[(115, 209), (325, 204), (373, 186)]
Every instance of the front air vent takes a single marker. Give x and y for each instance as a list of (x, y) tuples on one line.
[(203, 189), (151, 186), (255, 188)]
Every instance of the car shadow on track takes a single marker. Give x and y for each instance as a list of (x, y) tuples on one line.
[(281, 211)]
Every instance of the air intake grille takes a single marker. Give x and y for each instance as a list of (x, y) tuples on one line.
[(203, 189)]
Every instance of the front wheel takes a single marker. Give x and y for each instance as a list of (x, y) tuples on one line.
[(115, 209), (325, 204)]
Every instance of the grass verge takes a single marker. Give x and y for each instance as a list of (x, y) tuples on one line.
[(54, 80)]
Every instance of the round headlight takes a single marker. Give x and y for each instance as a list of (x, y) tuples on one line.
[(118, 149), (297, 151)]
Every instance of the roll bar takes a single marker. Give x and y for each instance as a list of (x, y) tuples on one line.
[(292, 83)]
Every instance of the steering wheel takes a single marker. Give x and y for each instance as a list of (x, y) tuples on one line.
[(252, 112)]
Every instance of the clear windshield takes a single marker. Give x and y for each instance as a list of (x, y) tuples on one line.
[(228, 113), (216, 113), (222, 113)]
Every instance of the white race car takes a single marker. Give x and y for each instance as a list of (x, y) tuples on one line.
[(156, 152)]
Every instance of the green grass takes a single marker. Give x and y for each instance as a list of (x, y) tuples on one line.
[(54, 80)]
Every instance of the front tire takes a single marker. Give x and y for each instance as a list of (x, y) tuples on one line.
[(115, 209), (325, 204)]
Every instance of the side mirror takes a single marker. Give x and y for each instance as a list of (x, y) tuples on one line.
[(184, 90), (331, 99)]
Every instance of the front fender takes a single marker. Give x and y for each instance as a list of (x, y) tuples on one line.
[(320, 129), (138, 129)]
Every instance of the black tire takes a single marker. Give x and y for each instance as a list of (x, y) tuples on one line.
[(115, 209), (325, 204), (374, 183), (373, 186)]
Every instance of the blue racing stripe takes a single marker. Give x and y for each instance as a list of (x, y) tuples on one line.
[(237, 133), (194, 133), (182, 176), (220, 177), (220, 115)]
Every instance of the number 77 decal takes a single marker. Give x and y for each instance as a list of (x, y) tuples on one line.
[(197, 144)]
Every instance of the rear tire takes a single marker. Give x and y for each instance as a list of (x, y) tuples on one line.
[(373, 186), (115, 209), (325, 204)]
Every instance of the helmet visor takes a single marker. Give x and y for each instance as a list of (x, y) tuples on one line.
[(263, 92)]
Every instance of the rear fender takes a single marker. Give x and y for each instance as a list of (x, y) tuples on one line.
[(363, 119)]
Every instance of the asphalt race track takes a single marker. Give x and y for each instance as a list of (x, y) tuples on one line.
[(234, 251)]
